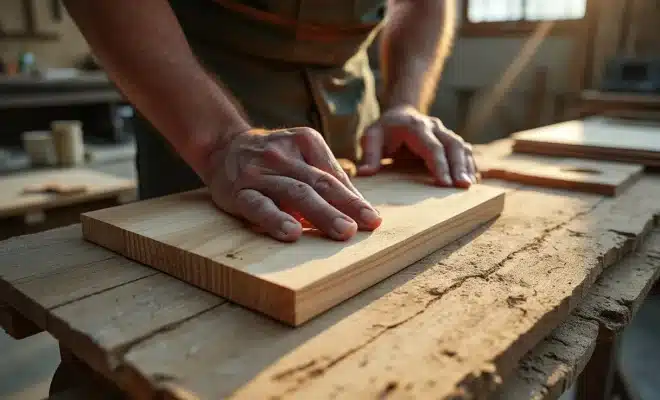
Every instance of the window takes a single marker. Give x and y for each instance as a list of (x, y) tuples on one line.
[(489, 17)]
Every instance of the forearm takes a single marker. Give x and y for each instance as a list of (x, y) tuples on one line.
[(415, 42), (144, 51)]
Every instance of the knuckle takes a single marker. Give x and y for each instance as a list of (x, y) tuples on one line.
[(298, 191), (272, 152), (251, 202), (309, 133), (323, 182), (249, 172)]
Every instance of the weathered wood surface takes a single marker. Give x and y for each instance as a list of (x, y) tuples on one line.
[(552, 367), (456, 322)]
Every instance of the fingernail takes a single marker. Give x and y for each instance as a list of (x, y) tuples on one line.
[(343, 227), (465, 177), (369, 216), (289, 228)]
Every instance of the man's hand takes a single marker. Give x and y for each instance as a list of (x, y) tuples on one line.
[(447, 156), (274, 178)]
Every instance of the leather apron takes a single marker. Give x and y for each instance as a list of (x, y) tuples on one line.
[(288, 63)]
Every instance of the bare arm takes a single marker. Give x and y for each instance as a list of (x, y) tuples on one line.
[(144, 51), (416, 40)]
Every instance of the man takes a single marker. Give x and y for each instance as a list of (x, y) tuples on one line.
[(257, 98)]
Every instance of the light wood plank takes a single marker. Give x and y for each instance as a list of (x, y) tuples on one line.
[(15, 201), (455, 323), (44, 270), (186, 236), (592, 176), (599, 138)]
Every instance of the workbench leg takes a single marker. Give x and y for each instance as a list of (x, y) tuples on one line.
[(73, 374), (597, 379)]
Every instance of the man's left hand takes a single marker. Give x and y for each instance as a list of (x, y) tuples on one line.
[(446, 155)]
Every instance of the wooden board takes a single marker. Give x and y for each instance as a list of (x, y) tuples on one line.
[(16, 200), (591, 176), (187, 237), (597, 138)]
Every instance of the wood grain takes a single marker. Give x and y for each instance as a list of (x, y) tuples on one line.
[(554, 365), (597, 138), (592, 176), (453, 326), (16, 200), (187, 237)]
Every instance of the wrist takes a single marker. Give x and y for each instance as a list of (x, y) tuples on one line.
[(400, 98), (204, 146)]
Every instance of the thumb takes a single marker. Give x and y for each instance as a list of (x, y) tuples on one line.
[(372, 150)]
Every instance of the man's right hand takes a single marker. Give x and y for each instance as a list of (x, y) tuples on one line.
[(267, 177)]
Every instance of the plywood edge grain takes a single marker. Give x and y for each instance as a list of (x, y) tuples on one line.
[(206, 275), (387, 263), (602, 188)]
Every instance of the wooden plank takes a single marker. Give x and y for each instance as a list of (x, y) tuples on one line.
[(292, 282), (52, 268), (598, 138), (15, 201), (44, 275), (592, 176), (553, 366), (145, 306), (453, 328)]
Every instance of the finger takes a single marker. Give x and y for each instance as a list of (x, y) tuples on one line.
[(316, 152), (372, 150), (455, 147), (262, 212), (336, 194), (298, 196), (424, 143), (472, 166)]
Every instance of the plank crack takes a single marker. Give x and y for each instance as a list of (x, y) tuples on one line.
[(116, 358), (109, 288), (315, 368)]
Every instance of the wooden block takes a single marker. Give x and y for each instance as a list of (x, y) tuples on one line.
[(36, 191), (597, 138), (187, 237), (591, 176)]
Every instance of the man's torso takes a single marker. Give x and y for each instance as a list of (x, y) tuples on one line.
[(288, 63)]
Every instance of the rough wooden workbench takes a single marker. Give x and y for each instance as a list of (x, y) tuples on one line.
[(515, 302)]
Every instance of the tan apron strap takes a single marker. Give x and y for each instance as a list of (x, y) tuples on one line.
[(304, 31)]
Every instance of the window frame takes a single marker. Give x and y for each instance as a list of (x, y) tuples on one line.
[(562, 27)]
